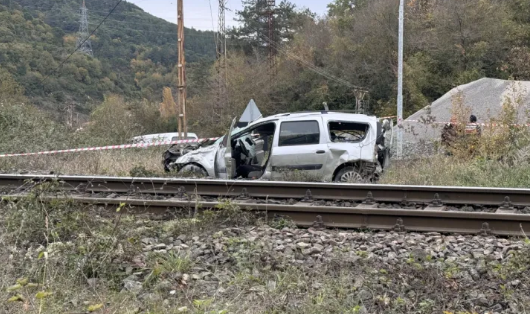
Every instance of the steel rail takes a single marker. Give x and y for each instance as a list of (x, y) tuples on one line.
[(307, 215), (282, 190)]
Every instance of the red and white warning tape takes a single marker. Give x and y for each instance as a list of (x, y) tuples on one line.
[(111, 147), (161, 143), (443, 123)]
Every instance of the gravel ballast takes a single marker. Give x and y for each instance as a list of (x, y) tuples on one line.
[(380, 272), (233, 262)]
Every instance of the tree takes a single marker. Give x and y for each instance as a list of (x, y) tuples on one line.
[(253, 34), (9, 88), (345, 7)]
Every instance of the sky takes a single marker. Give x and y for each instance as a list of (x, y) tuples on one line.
[(197, 13)]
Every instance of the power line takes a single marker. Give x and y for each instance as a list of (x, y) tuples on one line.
[(211, 14), (308, 65), (161, 32), (359, 92), (192, 34), (188, 18), (81, 44), (304, 62)]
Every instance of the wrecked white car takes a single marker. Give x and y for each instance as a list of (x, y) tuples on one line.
[(329, 146)]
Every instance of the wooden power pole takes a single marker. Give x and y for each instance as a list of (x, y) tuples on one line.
[(181, 101)]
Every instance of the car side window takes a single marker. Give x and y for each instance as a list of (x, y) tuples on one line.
[(299, 133), (342, 131)]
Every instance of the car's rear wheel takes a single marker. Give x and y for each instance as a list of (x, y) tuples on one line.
[(193, 170), (348, 175)]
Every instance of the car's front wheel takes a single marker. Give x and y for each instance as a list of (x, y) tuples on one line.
[(348, 175), (193, 170)]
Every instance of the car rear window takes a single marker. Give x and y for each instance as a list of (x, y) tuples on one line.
[(350, 132), (299, 133)]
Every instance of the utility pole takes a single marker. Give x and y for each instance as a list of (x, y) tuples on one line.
[(181, 65), (400, 83), (222, 30), (222, 73), (270, 16), (83, 42)]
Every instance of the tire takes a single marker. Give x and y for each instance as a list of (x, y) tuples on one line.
[(348, 175), (193, 170)]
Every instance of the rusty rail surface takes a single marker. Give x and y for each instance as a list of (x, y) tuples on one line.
[(433, 217), (324, 191), (307, 215)]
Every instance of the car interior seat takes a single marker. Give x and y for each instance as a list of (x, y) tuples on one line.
[(259, 152)]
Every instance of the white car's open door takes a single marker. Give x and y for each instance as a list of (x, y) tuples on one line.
[(229, 161)]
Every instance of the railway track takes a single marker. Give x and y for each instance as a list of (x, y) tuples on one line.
[(404, 208)]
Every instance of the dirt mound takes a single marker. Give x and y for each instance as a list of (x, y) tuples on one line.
[(484, 97)]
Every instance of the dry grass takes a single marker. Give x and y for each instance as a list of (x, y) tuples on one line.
[(452, 171), (499, 157), (432, 170), (112, 163)]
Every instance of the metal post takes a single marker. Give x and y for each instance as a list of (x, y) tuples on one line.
[(182, 120), (83, 41), (359, 98), (222, 72), (400, 83), (271, 4)]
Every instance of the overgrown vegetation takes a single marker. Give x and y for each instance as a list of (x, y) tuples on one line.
[(497, 158), (447, 43), (60, 257), (135, 53), (131, 162), (26, 128), (447, 171), (54, 250), (317, 59)]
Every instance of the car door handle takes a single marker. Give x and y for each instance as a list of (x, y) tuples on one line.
[(321, 151)]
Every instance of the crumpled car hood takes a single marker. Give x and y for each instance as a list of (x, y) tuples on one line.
[(201, 155)]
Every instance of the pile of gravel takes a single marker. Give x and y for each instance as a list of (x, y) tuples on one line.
[(484, 97)]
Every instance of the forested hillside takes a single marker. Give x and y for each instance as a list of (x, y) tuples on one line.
[(134, 52), (447, 43), (317, 59)]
